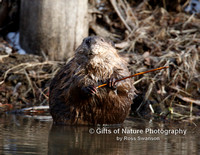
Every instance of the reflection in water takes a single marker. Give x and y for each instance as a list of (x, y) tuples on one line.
[(28, 135), (22, 135), (77, 140)]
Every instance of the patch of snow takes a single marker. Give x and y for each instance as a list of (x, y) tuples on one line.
[(8, 50), (13, 39), (193, 7)]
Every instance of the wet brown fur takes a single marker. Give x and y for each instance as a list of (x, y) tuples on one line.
[(91, 65)]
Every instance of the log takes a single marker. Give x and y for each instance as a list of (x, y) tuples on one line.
[(55, 28)]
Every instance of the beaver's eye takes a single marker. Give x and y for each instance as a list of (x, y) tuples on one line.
[(102, 39)]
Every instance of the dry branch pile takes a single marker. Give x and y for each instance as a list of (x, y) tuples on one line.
[(149, 35), (24, 80)]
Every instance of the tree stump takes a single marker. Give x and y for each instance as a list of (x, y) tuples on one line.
[(55, 28)]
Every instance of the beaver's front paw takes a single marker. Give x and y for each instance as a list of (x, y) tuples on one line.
[(89, 91), (112, 83)]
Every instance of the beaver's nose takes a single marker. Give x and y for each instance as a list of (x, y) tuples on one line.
[(89, 41)]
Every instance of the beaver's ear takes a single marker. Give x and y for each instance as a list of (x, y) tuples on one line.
[(110, 42)]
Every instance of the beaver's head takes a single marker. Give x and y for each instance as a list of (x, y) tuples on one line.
[(95, 45)]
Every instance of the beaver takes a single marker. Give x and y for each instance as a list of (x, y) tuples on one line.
[(74, 97)]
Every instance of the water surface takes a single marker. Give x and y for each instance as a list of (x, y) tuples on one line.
[(36, 135)]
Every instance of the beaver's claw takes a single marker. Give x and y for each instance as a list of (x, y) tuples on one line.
[(89, 90), (112, 83)]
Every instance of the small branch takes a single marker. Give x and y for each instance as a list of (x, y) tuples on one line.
[(190, 100), (114, 4), (135, 75), (30, 82)]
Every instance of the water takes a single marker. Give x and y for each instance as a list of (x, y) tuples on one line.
[(36, 135)]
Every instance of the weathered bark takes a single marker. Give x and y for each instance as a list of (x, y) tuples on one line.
[(53, 27)]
